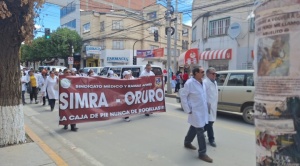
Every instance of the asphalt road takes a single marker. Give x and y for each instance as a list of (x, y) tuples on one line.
[(145, 141)]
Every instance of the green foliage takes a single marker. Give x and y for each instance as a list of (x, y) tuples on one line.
[(58, 46)]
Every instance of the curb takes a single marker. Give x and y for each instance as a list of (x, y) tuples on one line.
[(170, 95)]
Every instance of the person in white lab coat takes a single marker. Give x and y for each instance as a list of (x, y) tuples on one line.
[(193, 100), (147, 72), (51, 84), (212, 100), (24, 81)]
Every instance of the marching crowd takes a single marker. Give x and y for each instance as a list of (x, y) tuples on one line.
[(199, 98)]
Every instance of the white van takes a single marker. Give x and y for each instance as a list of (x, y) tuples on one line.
[(97, 70), (135, 69), (49, 68)]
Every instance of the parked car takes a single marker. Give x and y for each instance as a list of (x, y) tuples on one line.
[(236, 92), (135, 69)]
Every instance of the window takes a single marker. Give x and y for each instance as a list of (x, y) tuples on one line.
[(102, 28), (219, 27), (236, 80), (185, 44), (118, 44), (252, 25), (185, 32), (102, 44), (221, 78), (67, 9), (249, 80), (86, 27), (194, 34), (117, 24), (151, 15), (71, 24)]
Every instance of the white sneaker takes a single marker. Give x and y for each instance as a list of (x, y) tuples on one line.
[(127, 119)]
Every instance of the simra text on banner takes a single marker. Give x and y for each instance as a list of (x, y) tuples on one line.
[(85, 99)]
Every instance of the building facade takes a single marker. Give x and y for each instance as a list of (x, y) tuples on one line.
[(223, 32), (121, 34)]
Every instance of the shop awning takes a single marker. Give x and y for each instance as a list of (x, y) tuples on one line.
[(216, 54), (189, 57)]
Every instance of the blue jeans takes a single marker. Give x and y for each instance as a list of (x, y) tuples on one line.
[(193, 131), (210, 131)]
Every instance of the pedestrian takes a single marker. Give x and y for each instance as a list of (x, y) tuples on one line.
[(24, 81), (193, 100), (185, 77), (212, 100), (81, 73), (130, 73), (43, 88), (35, 82), (126, 76), (178, 80), (111, 74), (91, 73), (147, 72), (67, 72), (52, 89), (165, 73)]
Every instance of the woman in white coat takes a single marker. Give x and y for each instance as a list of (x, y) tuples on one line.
[(212, 100), (51, 86), (24, 81)]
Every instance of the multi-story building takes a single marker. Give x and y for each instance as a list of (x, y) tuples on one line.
[(223, 32), (121, 33)]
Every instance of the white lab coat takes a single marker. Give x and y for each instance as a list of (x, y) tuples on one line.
[(212, 98), (145, 73), (50, 83), (43, 88), (24, 79), (193, 100)]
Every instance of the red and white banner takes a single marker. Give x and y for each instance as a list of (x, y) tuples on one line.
[(86, 99)]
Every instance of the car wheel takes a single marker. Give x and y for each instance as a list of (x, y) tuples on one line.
[(248, 114)]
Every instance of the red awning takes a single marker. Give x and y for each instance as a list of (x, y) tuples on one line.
[(216, 54), (189, 57)]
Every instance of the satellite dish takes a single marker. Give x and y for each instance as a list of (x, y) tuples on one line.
[(234, 30)]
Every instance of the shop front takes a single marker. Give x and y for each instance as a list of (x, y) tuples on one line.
[(219, 59)]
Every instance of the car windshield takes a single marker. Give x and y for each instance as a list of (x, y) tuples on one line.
[(104, 71)]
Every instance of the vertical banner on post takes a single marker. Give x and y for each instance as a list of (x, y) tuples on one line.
[(277, 82)]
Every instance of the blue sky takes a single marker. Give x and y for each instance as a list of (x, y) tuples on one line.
[(49, 16)]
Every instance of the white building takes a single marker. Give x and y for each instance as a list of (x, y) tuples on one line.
[(224, 33)]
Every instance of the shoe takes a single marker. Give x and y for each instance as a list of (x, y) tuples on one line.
[(36, 102), (147, 114), (52, 109), (74, 129), (205, 158), (66, 127), (127, 119), (213, 144), (43, 104), (190, 146)]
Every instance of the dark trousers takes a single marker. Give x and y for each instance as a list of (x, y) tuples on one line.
[(183, 82), (33, 94), (177, 87), (193, 131), (166, 78), (72, 126), (23, 97), (52, 103), (210, 131)]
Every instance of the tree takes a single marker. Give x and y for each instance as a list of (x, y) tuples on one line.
[(16, 26)]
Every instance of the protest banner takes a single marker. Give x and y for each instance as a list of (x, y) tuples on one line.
[(277, 77), (86, 99)]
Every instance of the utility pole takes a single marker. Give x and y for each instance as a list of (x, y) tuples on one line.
[(168, 26), (175, 39)]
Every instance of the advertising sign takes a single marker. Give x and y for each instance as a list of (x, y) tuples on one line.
[(93, 50), (117, 59), (277, 77), (86, 99), (156, 53)]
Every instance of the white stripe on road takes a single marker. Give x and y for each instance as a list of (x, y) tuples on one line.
[(68, 143), (219, 124)]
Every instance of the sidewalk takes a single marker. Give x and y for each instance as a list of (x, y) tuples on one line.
[(34, 153)]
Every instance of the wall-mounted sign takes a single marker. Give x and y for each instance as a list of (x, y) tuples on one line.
[(93, 50), (117, 59), (150, 53)]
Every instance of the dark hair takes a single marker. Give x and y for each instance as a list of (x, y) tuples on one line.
[(66, 69), (196, 69)]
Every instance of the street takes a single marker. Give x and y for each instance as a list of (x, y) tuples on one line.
[(147, 141)]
